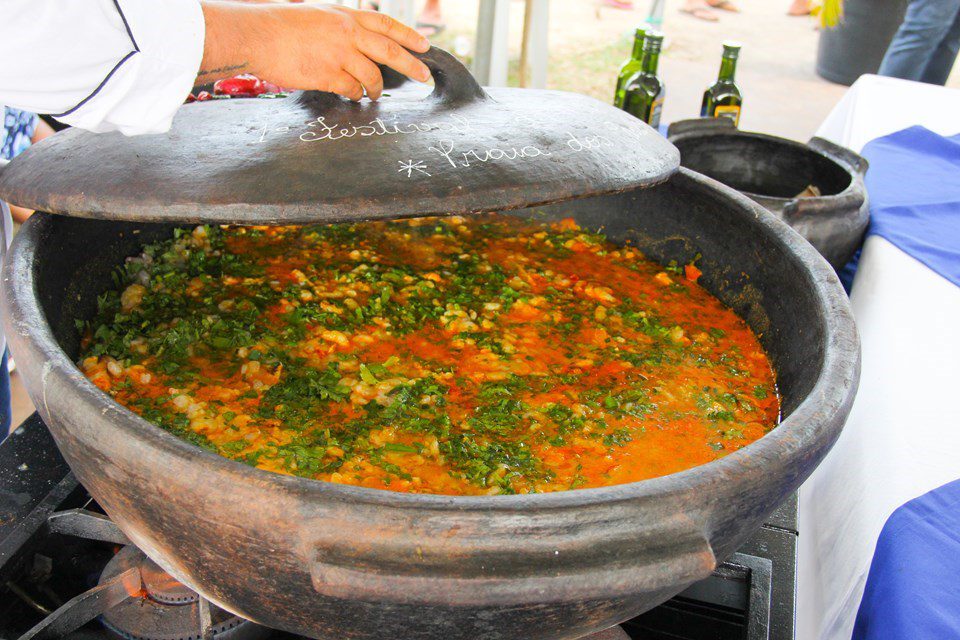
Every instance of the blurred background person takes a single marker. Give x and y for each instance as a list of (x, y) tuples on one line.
[(800, 8), (704, 9), (925, 47), (430, 22), (20, 130), (626, 5)]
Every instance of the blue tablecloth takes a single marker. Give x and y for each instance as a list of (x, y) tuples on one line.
[(914, 188), (913, 587)]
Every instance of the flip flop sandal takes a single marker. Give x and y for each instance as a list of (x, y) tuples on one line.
[(437, 29), (701, 13), (724, 5), (618, 4)]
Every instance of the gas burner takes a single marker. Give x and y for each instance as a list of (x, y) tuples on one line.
[(166, 609)]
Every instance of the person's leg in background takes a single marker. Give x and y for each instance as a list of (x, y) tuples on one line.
[(940, 65), (800, 8), (5, 409), (699, 9), (430, 21), (924, 27)]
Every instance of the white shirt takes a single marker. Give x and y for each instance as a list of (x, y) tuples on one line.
[(102, 65)]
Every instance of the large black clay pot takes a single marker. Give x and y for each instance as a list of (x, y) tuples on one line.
[(772, 171), (857, 45), (336, 561)]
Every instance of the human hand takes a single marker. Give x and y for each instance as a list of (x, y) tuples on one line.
[(321, 47)]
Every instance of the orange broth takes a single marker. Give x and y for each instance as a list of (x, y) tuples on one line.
[(471, 356)]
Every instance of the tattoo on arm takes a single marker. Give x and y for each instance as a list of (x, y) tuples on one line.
[(209, 75)]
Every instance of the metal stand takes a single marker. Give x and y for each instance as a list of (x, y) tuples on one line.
[(491, 60)]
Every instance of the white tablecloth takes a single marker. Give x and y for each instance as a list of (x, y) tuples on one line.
[(876, 106), (903, 435)]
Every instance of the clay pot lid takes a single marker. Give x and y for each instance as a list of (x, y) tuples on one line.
[(315, 157)]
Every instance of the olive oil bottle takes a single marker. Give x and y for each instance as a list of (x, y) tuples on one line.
[(722, 99), (630, 66), (645, 90)]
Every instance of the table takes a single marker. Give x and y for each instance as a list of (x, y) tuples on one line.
[(907, 315)]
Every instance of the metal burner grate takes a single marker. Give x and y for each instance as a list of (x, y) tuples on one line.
[(134, 598), (166, 609)]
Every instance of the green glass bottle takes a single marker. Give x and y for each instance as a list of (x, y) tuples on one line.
[(645, 90), (630, 66), (722, 99)]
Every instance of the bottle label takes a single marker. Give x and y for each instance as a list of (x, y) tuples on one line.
[(655, 110), (732, 112)]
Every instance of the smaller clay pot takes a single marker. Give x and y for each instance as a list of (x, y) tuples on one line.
[(774, 172)]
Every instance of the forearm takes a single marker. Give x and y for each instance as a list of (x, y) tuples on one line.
[(105, 65), (298, 46), (231, 42)]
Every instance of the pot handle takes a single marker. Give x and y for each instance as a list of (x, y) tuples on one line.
[(839, 154), (827, 209), (824, 208), (684, 561), (453, 82), (701, 125)]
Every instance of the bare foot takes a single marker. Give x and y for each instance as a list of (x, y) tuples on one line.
[(700, 10), (799, 8), (724, 5), (626, 5)]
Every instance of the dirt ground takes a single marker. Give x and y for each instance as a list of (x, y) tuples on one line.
[(782, 93)]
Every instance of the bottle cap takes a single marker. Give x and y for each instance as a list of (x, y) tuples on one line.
[(653, 40)]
